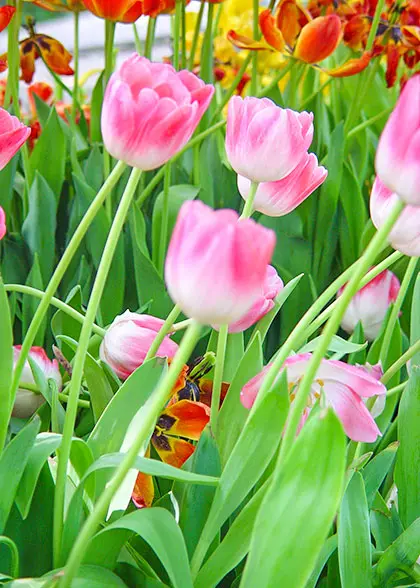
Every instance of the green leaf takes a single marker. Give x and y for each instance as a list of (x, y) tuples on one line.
[(292, 525), (354, 549), (7, 178), (12, 464), (63, 324), (327, 550), (415, 320), (159, 529), (96, 109), (375, 471), (42, 384), (352, 216), (6, 357), (30, 304), (339, 346), (407, 472)]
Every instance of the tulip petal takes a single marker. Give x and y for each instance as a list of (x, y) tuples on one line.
[(6, 15), (270, 32), (242, 42), (2, 223), (318, 39), (144, 491), (185, 419), (171, 450), (350, 67), (291, 18)]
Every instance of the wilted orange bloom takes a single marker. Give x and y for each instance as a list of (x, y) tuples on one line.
[(52, 51), (59, 5)]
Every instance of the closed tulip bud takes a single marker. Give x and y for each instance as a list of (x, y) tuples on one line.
[(281, 197), (128, 339), (27, 402), (150, 111), (2, 223), (13, 135), (216, 266), (318, 39), (264, 142), (405, 234), (116, 10), (370, 304), (398, 154)]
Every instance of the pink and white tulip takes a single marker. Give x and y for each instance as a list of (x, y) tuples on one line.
[(128, 339), (343, 386), (216, 266), (281, 197), (273, 285), (398, 154), (13, 135), (150, 111), (264, 142), (2, 223), (27, 402), (370, 304), (405, 234)]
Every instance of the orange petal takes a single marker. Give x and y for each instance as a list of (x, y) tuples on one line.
[(206, 390), (411, 35), (318, 39), (172, 451), (144, 491), (351, 67), (42, 90), (393, 58), (270, 31), (3, 64), (28, 54), (242, 42), (184, 418), (290, 20), (356, 31), (55, 54), (6, 15)]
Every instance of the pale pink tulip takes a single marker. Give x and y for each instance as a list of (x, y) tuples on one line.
[(343, 386), (150, 111), (281, 197), (273, 285), (264, 142), (398, 154), (370, 304), (27, 402), (405, 234), (2, 223), (13, 135), (216, 266), (128, 339)]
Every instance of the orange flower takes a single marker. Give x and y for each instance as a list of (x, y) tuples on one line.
[(43, 91), (52, 51), (6, 14), (128, 10), (60, 5)]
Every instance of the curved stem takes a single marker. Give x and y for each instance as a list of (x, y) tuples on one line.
[(166, 328), (152, 409), (405, 357), (79, 359), (218, 376), (14, 555), (249, 202)]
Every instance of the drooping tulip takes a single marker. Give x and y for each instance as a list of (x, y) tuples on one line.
[(2, 223), (38, 46), (216, 266), (281, 197), (13, 135), (398, 153), (27, 401), (405, 234), (128, 339), (264, 142), (370, 304), (150, 111), (343, 386)]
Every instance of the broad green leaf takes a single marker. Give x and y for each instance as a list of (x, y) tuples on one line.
[(12, 464), (407, 471), (30, 304), (6, 357), (376, 470), (233, 356), (133, 576), (96, 109), (328, 549), (159, 529), (385, 523), (7, 178), (339, 346), (352, 216), (292, 525), (93, 169), (354, 549), (415, 320)]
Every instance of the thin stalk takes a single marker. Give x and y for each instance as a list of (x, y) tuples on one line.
[(273, 84), (56, 278), (182, 325), (176, 33), (206, 71), (256, 31), (109, 66), (249, 202), (152, 409), (196, 36), (78, 316), (369, 122), (411, 268), (165, 329), (218, 376), (165, 218), (80, 403), (314, 94), (229, 93), (76, 65), (137, 40), (79, 359), (362, 265), (405, 357), (150, 37), (183, 36)]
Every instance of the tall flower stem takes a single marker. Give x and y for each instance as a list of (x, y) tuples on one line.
[(150, 37), (109, 66), (56, 278), (401, 361), (165, 218), (165, 329), (249, 202), (229, 93), (206, 71), (183, 36), (331, 327), (256, 30), (218, 376), (79, 359), (76, 65), (196, 36), (176, 36), (152, 409)]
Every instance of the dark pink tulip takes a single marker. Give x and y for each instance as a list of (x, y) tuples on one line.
[(13, 135)]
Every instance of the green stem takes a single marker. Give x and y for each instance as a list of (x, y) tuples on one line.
[(176, 33), (362, 265), (164, 219), (76, 65), (150, 37), (314, 94), (183, 36), (182, 325), (14, 555), (56, 278), (196, 36), (370, 121), (80, 403), (411, 268), (274, 83), (152, 409), (165, 329), (79, 359), (109, 66), (218, 376), (256, 30), (137, 39), (229, 93), (206, 71), (405, 357), (249, 202), (78, 316)]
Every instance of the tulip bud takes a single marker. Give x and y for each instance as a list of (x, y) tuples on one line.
[(27, 402), (13, 135), (128, 339), (370, 304), (216, 266)]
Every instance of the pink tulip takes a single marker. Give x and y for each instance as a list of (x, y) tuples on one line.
[(128, 339), (343, 386), (27, 402), (216, 266), (281, 197), (150, 111), (13, 135), (398, 154), (2, 223), (273, 285), (370, 304), (264, 142), (405, 234)]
